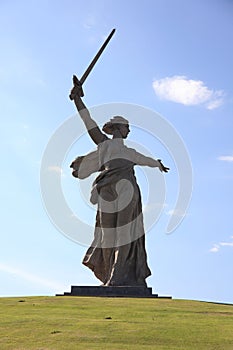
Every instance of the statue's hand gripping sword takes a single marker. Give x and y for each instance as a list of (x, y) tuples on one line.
[(78, 83)]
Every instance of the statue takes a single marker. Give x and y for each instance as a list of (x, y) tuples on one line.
[(117, 255)]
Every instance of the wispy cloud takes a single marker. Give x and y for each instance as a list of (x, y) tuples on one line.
[(30, 277), (176, 212), (154, 207), (188, 92), (226, 158), (217, 247), (56, 169), (89, 21), (226, 244)]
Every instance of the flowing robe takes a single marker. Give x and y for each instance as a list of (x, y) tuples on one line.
[(117, 255)]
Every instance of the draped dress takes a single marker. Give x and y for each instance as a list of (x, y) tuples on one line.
[(117, 255)]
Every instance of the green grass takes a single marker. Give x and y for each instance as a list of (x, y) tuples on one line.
[(41, 323)]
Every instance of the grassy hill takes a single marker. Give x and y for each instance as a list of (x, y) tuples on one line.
[(42, 323)]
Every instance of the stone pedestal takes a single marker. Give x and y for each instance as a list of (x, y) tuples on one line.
[(122, 291)]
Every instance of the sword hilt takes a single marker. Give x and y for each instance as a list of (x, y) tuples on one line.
[(77, 89)]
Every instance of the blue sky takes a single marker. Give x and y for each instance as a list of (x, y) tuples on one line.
[(172, 57)]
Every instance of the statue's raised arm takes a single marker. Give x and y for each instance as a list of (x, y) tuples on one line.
[(92, 128), (77, 92)]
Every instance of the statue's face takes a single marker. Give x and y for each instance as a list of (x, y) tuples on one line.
[(124, 130)]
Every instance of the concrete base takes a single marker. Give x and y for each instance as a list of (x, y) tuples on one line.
[(122, 291)]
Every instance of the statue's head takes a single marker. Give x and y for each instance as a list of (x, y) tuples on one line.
[(117, 124)]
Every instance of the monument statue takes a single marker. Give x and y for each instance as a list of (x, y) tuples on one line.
[(117, 255)]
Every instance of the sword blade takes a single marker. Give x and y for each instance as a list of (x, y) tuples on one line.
[(95, 59)]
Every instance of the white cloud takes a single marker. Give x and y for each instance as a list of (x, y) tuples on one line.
[(56, 169), (188, 92), (176, 212), (30, 277), (216, 247), (90, 21), (153, 207), (226, 244), (215, 103), (226, 158)]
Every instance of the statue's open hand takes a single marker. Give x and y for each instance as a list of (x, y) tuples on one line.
[(162, 168), (77, 89)]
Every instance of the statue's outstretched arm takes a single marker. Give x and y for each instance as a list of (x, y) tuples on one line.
[(140, 159), (92, 128)]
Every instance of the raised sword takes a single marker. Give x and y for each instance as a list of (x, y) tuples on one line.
[(80, 82)]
